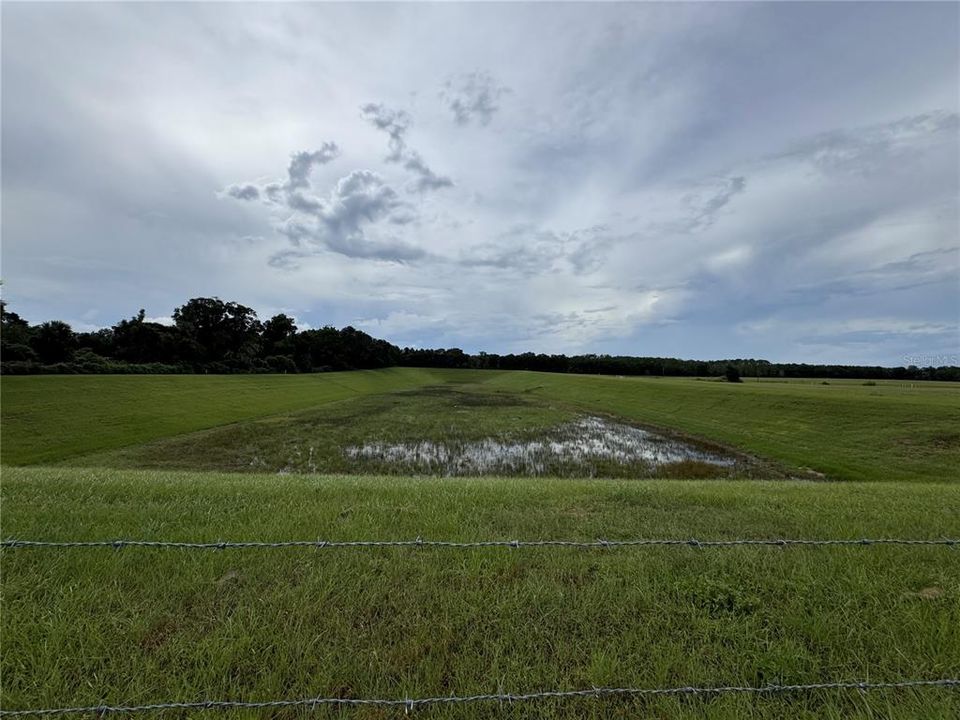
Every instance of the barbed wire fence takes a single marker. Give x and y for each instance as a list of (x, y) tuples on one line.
[(419, 542), (411, 704)]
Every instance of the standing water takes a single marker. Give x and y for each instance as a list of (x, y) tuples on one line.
[(580, 445)]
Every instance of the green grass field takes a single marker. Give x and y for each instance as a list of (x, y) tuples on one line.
[(50, 418), (844, 430), (142, 457), (81, 626)]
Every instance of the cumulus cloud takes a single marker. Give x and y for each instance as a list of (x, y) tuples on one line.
[(360, 197), (245, 191), (472, 96), (393, 122), (340, 222), (396, 123), (426, 179), (302, 163)]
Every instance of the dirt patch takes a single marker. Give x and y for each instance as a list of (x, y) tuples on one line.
[(946, 441), (933, 443), (158, 634)]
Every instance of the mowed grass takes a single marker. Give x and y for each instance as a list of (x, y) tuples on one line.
[(85, 627), (48, 418), (843, 430), (313, 440), (454, 417)]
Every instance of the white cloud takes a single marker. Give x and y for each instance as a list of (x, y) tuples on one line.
[(396, 123), (657, 177), (473, 96)]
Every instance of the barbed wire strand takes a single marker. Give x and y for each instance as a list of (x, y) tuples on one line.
[(421, 543), (413, 703)]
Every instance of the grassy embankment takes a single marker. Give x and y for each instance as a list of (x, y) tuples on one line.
[(47, 418), (845, 431)]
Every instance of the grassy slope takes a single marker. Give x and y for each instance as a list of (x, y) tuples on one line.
[(890, 431), (848, 431), (137, 626), (50, 418), (452, 415), (312, 440)]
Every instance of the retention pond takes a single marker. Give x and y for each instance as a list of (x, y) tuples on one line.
[(586, 446)]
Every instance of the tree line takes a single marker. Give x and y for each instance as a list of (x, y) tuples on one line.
[(209, 335)]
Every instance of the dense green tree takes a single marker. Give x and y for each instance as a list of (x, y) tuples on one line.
[(14, 330), (218, 331), (100, 342), (54, 342), (210, 335), (138, 341), (277, 336), (19, 352)]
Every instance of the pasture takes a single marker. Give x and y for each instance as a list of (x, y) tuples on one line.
[(169, 458)]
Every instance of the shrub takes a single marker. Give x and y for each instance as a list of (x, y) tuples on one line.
[(281, 364), (19, 367), (19, 351)]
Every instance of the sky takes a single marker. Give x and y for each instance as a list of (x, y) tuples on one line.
[(703, 180)]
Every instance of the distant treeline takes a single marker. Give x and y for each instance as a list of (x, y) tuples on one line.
[(209, 335)]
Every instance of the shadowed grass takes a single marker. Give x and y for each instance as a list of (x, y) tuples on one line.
[(92, 626)]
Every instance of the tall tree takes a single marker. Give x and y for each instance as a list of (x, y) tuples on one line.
[(218, 331), (54, 342), (139, 341), (278, 332), (14, 330)]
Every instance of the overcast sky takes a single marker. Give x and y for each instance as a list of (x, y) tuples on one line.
[(696, 180)]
